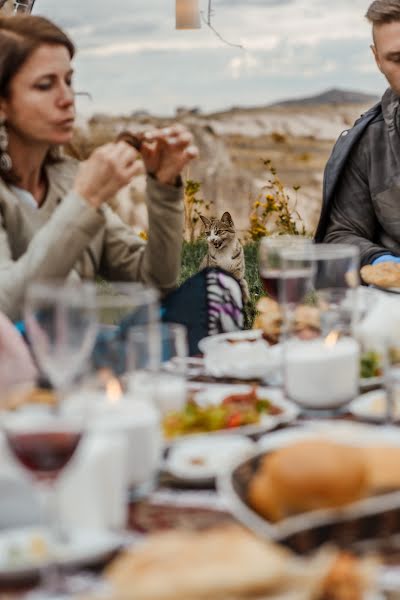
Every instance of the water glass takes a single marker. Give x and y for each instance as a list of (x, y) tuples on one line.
[(318, 297), (270, 262), (157, 360)]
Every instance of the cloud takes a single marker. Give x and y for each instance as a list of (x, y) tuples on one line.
[(292, 47)]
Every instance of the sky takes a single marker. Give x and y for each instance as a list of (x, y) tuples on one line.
[(130, 56)]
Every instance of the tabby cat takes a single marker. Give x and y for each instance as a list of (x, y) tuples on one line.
[(224, 249)]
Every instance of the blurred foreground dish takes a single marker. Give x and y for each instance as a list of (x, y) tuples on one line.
[(316, 474), (230, 563)]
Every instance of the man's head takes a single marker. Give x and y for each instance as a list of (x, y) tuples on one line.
[(384, 15)]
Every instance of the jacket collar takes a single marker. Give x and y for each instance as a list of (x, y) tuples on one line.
[(390, 106)]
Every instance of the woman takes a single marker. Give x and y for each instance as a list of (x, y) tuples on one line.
[(54, 217)]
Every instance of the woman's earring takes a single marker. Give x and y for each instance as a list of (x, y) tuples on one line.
[(5, 158)]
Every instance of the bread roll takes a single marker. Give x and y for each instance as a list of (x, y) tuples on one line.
[(306, 476)]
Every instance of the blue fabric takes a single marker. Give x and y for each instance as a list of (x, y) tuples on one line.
[(386, 258)]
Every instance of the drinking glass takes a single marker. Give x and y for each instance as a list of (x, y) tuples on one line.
[(157, 360), (61, 321), (121, 306), (270, 262), (126, 304), (43, 437), (318, 296)]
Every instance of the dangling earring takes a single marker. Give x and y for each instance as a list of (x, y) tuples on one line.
[(5, 158)]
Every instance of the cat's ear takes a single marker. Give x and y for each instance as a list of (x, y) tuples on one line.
[(206, 221), (227, 219)]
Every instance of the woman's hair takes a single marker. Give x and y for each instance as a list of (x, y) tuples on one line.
[(20, 36), (382, 12)]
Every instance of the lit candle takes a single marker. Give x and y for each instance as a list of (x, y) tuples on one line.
[(322, 373), (112, 411)]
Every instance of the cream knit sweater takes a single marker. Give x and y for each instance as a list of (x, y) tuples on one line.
[(66, 237)]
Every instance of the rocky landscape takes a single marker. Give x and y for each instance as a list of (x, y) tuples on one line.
[(297, 136)]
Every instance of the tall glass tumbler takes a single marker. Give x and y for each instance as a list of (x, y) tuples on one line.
[(321, 356)]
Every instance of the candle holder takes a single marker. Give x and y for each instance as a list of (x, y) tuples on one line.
[(318, 296)]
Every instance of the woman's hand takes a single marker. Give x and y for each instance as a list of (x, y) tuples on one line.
[(166, 152), (107, 170)]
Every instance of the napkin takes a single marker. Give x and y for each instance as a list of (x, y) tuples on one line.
[(382, 320)]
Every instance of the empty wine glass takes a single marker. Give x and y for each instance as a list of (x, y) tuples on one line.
[(61, 321)]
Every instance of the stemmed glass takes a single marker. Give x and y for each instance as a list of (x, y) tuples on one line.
[(61, 321), (270, 262), (43, 437), (61, 325)]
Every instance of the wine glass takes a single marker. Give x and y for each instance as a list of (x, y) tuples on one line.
[(269, 259), (61, 321), (43, 436)]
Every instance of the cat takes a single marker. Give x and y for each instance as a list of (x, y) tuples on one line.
[(225, 250)]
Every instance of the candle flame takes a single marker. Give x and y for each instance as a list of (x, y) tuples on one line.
[(113, 390), (331, 339)]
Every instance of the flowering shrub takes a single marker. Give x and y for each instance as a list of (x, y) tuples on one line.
[(194, 207), (273, 211)]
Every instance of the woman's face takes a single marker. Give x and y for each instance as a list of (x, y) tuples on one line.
[(40, 108)]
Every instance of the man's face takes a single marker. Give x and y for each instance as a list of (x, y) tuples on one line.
[(386, 50)]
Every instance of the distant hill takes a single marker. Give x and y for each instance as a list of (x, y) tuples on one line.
[(333, 96)]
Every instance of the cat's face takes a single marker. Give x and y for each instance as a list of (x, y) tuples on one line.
[(219, 232)]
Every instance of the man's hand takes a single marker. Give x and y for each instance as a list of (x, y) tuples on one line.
[(166, 152)]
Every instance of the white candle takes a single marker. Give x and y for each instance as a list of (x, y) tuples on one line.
[(318, 375), (137, 420)]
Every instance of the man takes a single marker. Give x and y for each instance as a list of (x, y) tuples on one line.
[(362, 178)]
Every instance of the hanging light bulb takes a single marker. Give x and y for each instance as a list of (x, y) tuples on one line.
[(187, 14)]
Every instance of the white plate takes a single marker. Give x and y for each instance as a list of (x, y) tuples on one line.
[(215, 394), (202, 458), (20, 550), (372, 406), (368, 382), (248, 334), (252, 358)]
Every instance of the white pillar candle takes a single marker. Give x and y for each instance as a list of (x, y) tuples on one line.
[(140, 422), (318, 375), (137, 420)]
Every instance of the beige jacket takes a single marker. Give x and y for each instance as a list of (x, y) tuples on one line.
[(66, 237)]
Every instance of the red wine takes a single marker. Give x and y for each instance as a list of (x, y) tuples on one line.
[(295, 283), (44, 453)]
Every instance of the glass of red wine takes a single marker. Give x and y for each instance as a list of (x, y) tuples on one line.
[(61, 323), (43, 437), (270, 261)]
